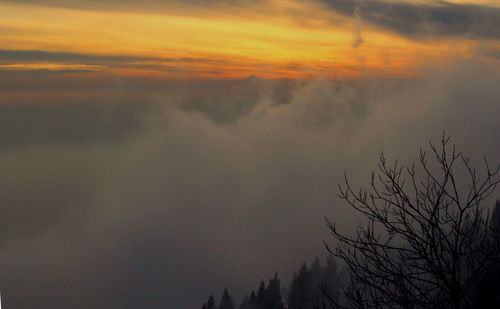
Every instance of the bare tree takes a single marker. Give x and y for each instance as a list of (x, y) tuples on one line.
[(427, 240)]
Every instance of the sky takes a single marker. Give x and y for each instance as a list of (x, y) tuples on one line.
[(234, 39), (154, 152)]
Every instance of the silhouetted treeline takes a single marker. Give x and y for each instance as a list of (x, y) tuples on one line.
[(313, 287), (307, 290), (429, 241), (309, 285), (267, 296)]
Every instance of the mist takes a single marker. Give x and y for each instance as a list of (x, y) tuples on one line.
[(194, 191)]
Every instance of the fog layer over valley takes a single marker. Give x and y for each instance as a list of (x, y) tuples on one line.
[(129, 193)]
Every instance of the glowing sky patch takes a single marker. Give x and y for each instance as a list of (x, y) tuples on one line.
[(48, 67), (276, 39)]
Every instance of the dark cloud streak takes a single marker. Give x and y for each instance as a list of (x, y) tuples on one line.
[(420, 21), (146, 5), (10, 56)]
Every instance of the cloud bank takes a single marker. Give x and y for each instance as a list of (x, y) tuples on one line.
[(184, 199)]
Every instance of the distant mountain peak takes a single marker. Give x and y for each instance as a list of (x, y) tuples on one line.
[(251, 77)]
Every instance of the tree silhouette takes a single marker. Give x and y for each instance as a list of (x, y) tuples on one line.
[(250, 302), (299, 288), (267, 297), (495, 216), (330, 282), (226, 301), (261, 294), (307, 290), (488, 288), (310, 285), (427, 241), (273, 298), (210, 304), (245, 302)]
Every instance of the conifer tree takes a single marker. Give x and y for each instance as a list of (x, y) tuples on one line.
[(274, 299), (226, 301), (261, 294), (488, 289), (330, 282), (315, 282), (495, 216), (298, 288), (210, 304), (245, 303), (314, 287), (253, 302)]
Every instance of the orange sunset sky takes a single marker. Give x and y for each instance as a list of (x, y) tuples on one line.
[(233, 39)]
